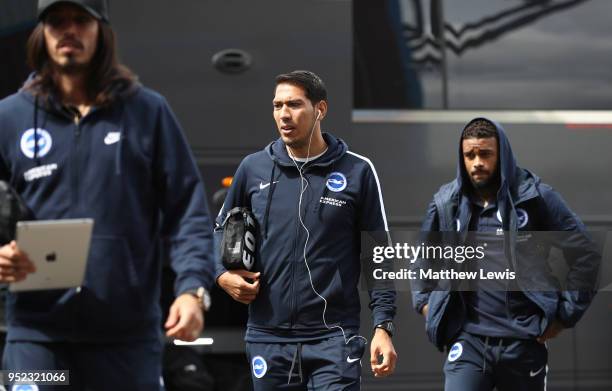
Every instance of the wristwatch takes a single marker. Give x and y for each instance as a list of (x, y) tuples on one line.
[(202, 295), (387, 326)]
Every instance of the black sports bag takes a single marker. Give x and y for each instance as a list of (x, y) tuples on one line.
[(239, 244), (12, 210)]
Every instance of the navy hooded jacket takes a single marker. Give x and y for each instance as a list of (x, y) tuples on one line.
[(450, 211), (128, 167), (343, 198)]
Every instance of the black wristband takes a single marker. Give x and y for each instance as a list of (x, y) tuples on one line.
[(388, 326)]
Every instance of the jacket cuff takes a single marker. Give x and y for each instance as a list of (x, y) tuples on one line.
[(188, 284), (572, 306), (220, 269), (563, 317), (420, 302), (381, 315)]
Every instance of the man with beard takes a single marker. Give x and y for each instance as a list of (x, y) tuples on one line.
[(311, 197), (495, 333), (83, 139)]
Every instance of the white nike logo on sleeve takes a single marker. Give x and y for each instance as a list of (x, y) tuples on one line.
[(264, 185), (533, 374)]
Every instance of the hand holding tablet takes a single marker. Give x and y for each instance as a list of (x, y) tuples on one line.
[(15, 264), (54, 252)]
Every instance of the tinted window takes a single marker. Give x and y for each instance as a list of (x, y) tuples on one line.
[(17, 19), (493, 54)]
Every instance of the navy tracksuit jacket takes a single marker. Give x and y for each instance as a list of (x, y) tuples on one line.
[(128, 167), (541, 209), (342, 199), (450, 209)]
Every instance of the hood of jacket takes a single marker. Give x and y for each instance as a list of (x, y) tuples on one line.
[(516, 185), (336, 148)]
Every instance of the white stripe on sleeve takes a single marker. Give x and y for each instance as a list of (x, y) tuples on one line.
[(380, 197)]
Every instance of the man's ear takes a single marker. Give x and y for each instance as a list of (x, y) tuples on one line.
[(321, 110)]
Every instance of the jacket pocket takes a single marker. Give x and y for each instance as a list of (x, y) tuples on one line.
[(328, 281), (444, 317), (437, 303), (112, 295)]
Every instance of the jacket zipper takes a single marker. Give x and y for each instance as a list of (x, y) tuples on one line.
[(296, 255), (293, 265), (75, 165), (75, 202)]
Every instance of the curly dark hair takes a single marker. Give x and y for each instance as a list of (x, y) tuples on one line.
[(479, 128)]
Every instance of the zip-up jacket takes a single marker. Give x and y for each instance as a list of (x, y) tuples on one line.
[(128, 167), (541, 209), (342, 198)]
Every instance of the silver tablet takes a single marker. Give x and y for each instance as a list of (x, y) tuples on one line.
[(58, 248)]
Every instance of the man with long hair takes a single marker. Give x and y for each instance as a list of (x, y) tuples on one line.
[(83, 139)]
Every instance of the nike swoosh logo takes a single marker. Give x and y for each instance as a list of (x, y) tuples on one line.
[(112, 137), (532, 374), (264, 185), (351, 360)]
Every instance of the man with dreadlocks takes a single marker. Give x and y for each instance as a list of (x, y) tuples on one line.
[(83, 139)]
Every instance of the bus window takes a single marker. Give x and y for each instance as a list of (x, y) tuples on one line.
[(482, 54)]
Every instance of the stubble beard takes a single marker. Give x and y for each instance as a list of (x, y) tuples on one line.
[(297, 144), (71, 67)]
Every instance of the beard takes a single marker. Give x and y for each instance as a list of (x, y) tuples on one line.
[(70, 67), (488, 184), (482, 184)]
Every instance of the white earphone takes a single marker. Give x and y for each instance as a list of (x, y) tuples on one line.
[(303, 187)]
